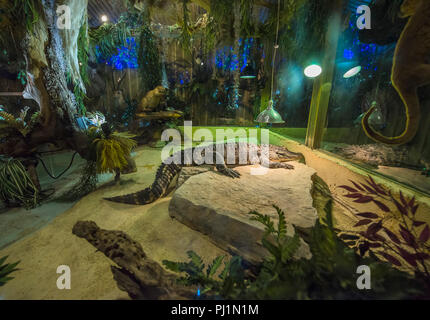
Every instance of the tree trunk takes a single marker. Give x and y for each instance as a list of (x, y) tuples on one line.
[(45, 56)]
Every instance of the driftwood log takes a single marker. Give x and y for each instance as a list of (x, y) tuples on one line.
[(138, 275)]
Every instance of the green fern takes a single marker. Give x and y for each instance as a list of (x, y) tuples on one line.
[(6, 270), (195, 273), (281, 247), (214, 266)]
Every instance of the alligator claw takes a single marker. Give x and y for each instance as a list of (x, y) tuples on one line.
[(231, 173)]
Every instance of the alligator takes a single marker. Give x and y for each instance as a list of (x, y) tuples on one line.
[(222, 156)]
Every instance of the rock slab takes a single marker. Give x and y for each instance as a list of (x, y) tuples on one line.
[(219, 206)]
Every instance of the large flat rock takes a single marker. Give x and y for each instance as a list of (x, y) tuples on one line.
[(219, 206)]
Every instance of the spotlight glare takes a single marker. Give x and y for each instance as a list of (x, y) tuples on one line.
[(352, 72), (104, 18), (313, 71)]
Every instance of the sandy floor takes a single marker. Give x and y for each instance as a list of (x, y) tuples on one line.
[(161, 237), (54, 245)]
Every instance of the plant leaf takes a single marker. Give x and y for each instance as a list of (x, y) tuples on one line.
[(195, 258), (418, 223), (357, 185), (369, 215), (274, 250), (212, 268), (407, 236), (411, 202), (392, 236), (290, 248), (364, 199), (402, 199), (425, 234), (362, 222), (401, 209), (369, 189), (363, 248), (348, 188), (353, 195), (282, 224), (421, 256), (381, 206), (374, 228), (391, 259)]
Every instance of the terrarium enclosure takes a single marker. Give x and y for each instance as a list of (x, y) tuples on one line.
[(214, 149)]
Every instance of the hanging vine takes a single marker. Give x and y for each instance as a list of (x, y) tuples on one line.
[(83, 51), (149, 59), (247, 28), (186, 33)]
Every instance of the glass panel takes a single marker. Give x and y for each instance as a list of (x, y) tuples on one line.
[(363, 80)]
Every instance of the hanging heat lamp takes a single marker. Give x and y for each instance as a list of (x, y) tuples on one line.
[(270, 115), (248, 73)]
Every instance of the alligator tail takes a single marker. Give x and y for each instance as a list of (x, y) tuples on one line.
[(164, 177)]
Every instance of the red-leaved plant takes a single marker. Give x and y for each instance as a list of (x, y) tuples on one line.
[(409, 243)]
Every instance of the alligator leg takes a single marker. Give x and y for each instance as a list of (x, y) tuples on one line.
[(222, 168), (227, 171)]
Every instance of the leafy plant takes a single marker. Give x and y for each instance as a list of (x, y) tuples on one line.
[(208, 280), (11, 126), (112, 151), (16, 186), (407, 239), (6, 269), (26, 10), (105, 39), (283, 248), (327, 275)]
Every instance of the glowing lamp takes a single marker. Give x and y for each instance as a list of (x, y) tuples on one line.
[(104, 18), (352, 72), (313, 71)]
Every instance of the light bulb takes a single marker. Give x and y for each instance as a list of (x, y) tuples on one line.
[(313, 71)]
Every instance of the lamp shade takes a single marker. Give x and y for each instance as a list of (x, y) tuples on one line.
[(269, 115), (248, 73)]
